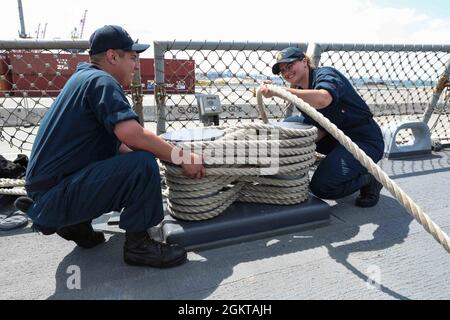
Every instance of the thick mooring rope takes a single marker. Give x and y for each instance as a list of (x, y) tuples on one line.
[(252, 179), (367, 162), (16, 185)]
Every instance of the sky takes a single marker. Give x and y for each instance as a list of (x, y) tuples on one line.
[(338, 21)]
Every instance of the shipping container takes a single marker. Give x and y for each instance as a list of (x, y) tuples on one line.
[(5, 75), (179, 75), (45, 74), (41, 74)]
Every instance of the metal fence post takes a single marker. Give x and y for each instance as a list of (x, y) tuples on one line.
[(437, 92), (314, 51), (136, 92), (160, 90)]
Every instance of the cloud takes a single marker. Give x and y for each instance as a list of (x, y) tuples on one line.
[(353, 21), (358, 21)]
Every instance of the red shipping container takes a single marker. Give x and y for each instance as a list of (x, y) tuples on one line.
[(45, 74), (42, 74), (179, 75), (5, 76)]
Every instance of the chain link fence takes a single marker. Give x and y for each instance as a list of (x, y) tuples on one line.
[(397, 82), (32, 73), (230, 70)]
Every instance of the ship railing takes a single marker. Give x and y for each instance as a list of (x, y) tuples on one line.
[(396, 81), (32, 73)]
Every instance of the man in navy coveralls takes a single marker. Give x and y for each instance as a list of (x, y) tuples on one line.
[(91, 156)]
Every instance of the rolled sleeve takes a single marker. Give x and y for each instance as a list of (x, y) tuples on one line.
[(330, 81), (109, 104)]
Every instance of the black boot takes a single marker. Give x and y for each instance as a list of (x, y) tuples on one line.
[(83, 234), (141, 250), (46, 231), (369, 194)]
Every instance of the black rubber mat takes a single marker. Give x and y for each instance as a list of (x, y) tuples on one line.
[(245, 222)]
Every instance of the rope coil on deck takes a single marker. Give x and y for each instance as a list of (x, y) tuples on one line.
[(367, 162), (16, 185), (269, 165)]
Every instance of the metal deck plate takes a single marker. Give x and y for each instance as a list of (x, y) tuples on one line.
[(245, 222)]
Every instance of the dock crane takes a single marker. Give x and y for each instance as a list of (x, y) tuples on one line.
[(75, 33), (22, 32)]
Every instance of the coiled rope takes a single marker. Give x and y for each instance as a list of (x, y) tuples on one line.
[(258, 153), (16, 185), (367, 162)]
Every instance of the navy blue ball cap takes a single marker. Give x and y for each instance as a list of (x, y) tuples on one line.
[(113, 37), (287, 55)]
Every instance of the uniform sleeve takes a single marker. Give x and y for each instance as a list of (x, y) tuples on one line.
[(330, 80), (109, 104)]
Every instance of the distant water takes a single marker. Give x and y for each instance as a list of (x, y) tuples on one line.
[(359, 82)]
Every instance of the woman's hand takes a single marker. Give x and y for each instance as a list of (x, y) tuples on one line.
[(265, 90)]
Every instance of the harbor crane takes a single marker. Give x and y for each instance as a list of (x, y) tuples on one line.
[(79, 35)]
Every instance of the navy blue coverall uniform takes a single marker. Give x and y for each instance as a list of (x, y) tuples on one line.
[(339, 173), (75, 173)]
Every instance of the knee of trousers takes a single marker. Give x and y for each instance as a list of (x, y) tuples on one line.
[(145, 164), (323, 189)]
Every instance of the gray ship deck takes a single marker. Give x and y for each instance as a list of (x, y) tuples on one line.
[(331, 262)]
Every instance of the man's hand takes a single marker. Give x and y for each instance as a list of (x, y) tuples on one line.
[(194, 168)]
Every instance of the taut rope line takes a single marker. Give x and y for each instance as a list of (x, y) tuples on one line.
[(367, 162)]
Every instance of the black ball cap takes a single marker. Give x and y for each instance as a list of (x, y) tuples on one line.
[(287, 55), (113, 37)]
